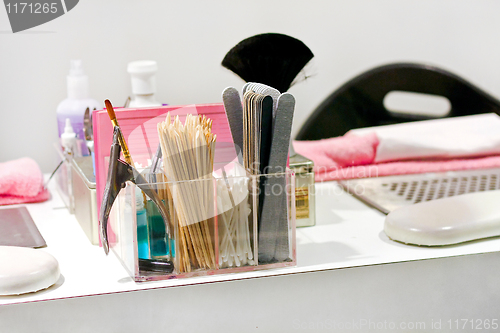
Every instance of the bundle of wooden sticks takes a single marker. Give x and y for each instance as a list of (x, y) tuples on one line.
[(188, 155)]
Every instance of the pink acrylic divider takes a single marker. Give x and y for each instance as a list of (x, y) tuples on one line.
[(139, 127)]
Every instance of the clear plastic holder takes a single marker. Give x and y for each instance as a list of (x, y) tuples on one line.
[(63, 176), (226, 222)]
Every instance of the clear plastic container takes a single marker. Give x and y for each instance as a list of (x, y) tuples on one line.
[(227, 222)]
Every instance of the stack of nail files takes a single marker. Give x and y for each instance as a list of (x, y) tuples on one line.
[(257, 131), (188, 155), (264, 90), (264, 131), (257, 135), (261, 117), (235, 249), (234, 110), (273, 227)]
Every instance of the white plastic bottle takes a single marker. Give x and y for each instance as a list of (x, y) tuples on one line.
[(68, 138), (78, 100), (142, 74)]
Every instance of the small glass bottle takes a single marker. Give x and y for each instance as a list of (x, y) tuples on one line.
[(305, 207), (142, 226), (160, 244)]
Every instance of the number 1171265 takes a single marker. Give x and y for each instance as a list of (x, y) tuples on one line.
[(32, 8), (473, 324)]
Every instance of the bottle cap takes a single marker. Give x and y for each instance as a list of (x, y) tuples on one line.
[(77, 81), (68, 137), (143, 76), (68, 129)]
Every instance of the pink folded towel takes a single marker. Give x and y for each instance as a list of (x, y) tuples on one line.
[(352, 156), (21, 181)]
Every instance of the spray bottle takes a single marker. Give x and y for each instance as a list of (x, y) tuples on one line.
[(78, 100)]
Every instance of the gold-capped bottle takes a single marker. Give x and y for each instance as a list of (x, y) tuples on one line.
[(305, 208)]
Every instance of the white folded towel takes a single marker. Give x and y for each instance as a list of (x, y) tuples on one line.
[(467, 136)]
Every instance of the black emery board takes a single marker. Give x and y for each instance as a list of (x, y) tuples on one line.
[(266, 133), (18, 229), (266, 136)]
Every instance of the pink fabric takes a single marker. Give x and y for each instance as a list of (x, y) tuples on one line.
[(21, 181), (352, 156)]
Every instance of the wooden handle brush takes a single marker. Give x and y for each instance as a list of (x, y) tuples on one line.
[(121, 139)]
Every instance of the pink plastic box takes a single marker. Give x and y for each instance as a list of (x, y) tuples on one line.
[(139, 129)]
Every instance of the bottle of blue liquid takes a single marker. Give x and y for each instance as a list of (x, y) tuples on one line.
[(160, 243), (142, 226)]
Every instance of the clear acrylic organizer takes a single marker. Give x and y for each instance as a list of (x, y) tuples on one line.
[(227, 222)]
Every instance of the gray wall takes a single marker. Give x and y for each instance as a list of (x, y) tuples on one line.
[(190, 38)]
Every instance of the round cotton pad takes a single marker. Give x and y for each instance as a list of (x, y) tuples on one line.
[(446, 221), (24, 270)]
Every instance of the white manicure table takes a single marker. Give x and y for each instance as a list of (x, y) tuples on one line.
[(349, 276)]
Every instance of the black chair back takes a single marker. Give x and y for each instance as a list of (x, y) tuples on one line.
[(360, 102)]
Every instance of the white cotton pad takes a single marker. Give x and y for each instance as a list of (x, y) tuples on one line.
[(24, 270), (446, 221)]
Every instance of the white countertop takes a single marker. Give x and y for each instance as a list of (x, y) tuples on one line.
[(348, 234)]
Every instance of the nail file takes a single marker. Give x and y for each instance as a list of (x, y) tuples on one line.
[(264, 90), (446, 221), (247, 131), (246, 125), (244, 89), (256, 114), (266, 131), (234, 112), (258, 111), (266, 134), (18, 229), (273, 236), (252, 129)]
